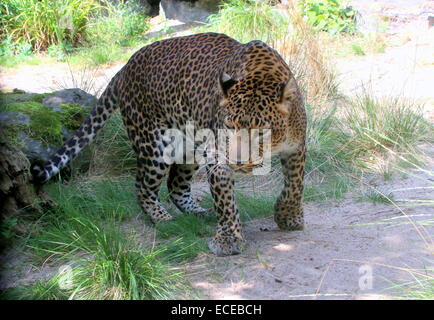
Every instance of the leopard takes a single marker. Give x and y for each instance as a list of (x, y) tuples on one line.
[(218, 83)]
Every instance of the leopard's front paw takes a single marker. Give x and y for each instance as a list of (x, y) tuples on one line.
[(160, 217), (225, 245), (289, 223)]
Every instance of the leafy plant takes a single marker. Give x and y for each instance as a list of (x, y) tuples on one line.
[(122, 26), (379, 123), (329, 15), (45, 22), (247, 20)]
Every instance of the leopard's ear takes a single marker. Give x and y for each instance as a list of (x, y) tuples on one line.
[(226, 82), (288, 91)]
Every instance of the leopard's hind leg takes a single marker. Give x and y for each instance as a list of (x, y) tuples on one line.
[(151, 170), (179, 185)]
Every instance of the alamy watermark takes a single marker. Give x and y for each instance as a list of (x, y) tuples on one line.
[(366, 279), (248, 149)]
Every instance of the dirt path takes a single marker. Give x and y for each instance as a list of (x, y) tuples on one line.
[(343, 244), (405, 69), (57, 76)]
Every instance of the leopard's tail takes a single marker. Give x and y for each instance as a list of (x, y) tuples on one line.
[(106, 105)]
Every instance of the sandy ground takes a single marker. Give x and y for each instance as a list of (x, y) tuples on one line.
[(405, 69), (348, 250)]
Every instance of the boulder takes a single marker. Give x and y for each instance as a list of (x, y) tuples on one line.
[(37, 124), (188, 10), (32, 128), (34, 149), (13, 118), (67, 96)]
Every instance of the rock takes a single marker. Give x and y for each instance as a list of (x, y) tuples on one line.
[(188, 10), (154, 5), (16, 190), (76, 95), (39, 134), (34, 149), (142, 6), (67, 133), (13, 118)]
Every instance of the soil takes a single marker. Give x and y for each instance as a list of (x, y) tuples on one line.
[(342, 242), (350, 249)]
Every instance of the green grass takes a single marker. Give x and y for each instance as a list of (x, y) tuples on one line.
[(187, 235), (357, 49), (190, 232), (376, 197), (249, 20), (81, 32), (113, 144), (41, 290), (85, 232), (45, 22), (102, 54), (378, 124), (422, 289)]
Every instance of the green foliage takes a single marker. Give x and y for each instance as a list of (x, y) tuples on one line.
[(108, 262), (107, 35), (45, 123), (96, 55), (376, 197), (188, 232), (247, 20), (13, 53), (9, 48), (45, 22), (8, 98), (122, 27), (254, 206), (378, 124), (72, 115), (113, 144), (326, 160), (329, 15), (59, 51), (98, 29), (41, 290), (7, 229), (357, 49)]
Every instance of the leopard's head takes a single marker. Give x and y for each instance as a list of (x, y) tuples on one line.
[(258, 110)]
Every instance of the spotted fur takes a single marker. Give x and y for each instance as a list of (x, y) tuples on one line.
[(216, 82)]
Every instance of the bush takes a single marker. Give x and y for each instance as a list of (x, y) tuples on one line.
[(13, 53), (122, 26), (378, 124), (105, 262), (45, 22), (329, 15), (247, 20), (45, 123)]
